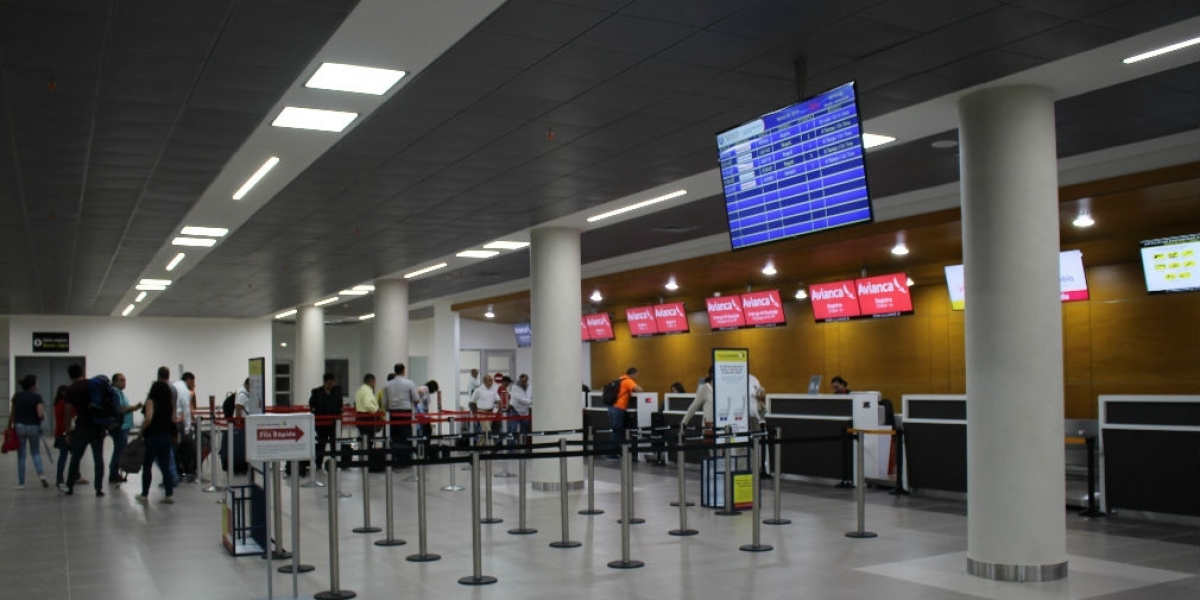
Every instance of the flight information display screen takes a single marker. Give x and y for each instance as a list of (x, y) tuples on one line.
[(795, 171)]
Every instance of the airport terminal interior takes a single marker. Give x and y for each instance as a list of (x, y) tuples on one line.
[(276, 189)]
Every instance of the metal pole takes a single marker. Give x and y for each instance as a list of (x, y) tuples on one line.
[(267, 553), (477, 577), (778, 491), (1092, 510), (508, 438), (277, 514), (590, 437), (212, 464), (491, 445), (626, 511), (860, 493), (728, 511), (366, 485), (566, 541), (422, 554), (388, 502), (229, 454), (451, 487), (682, 503), (199, 454), (633, 520), (296, 566), (522, 527), (755, 458), (335, 592)]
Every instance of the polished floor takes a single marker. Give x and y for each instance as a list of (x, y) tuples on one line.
[(88, 548)]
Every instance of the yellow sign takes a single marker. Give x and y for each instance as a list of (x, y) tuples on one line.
[(731, 355), (743, 491)]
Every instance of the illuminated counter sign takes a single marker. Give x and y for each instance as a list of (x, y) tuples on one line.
[(725, 312)]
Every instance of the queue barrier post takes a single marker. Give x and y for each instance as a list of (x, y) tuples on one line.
[(778, 487), (727, 452), (522, 527), (277, 513), (683, 530), (566, 541), (901, 489), (422, 554), (212, 464), (488, 519), (589, 436), (633, 519), (335, 592), (389, 503), (477, 577), (452, 487), (860, 492), (366, 493), (756, 544), (200, 453), (229, 453), (296, 566), (626, 511)]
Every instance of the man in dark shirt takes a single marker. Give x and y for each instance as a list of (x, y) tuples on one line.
[(82, 434), (326, 403)]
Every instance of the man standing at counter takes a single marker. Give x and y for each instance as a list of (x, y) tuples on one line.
[(839, 385), (616, 412)]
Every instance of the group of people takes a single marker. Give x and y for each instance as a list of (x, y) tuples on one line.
[(499, 395)]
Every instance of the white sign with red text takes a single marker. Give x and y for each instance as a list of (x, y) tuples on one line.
[(725, 312), (763, 309), (279, 437)]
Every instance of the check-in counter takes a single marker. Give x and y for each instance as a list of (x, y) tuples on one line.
[(595, 414), (935, 442), (674, 408), (814, 416), (1150, 449)]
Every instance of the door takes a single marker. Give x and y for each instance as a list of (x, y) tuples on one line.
[(51, 372)]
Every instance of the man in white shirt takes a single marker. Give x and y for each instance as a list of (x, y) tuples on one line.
[(243, 403), (399, 395), (483, 402), (185, 399), (520, 401), (758, 395)]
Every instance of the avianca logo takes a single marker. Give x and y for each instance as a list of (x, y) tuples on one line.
[(877, 288), (730, 304), (832, 293), (903, 289), (598, 321), (760, 301), (666, 311), (640, 314)]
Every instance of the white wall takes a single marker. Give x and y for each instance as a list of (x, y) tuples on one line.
[(215, 350)]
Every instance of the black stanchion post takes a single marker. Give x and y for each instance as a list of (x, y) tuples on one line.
[(682, 503), (366, 487), (522, 528), (488, 519), (901, 489), (626, 510), (477, 577), (847, 450), (423, 554), (777, 500), (388, 501), (860, 492), (756, 544), (727, 453), (335, 591), (566, 541), (589, 437), (1092, 509)]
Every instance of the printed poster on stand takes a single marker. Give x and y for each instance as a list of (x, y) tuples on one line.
[(731, 389)]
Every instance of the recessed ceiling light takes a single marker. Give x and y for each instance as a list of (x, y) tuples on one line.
[(326, 301), (1084, 219), (141, 296), (128, 309), (477, 254), (208, 231), (198, 242), (900, 249), (175, 261), (255, 178), (873, 140), (283, 344), (285, 314), (671, 284), (367, 317), (162, 282), (801, 294), (596, 297), (769, 269), (1161, 51), (353, 78), (637, 205), (489, 314), (314, 119), (503, 245), (149, 288), (420, 272)]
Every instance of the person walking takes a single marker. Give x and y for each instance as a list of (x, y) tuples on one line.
[(25, 414), (158, 431), (60, 434), (121, 436)]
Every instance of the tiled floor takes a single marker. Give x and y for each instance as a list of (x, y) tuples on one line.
[(84, 548)]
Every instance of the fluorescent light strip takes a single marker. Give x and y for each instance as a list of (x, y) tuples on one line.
[(314, 119), (141, 296), (197, 242), (872, 140), (327, 301), (364, 288), (503, 245), (1161, 51), (162, 282), (206, 231), (353, 293), (255, 178), (353, 78), (477, 254), (128, 309), (175, 261), (642, 204), (285, 314), (367, 317), (420, 272), (149, 288)]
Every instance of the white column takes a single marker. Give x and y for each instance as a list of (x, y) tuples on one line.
[(1015, 472), (310, 352), (391, 327), (443, 362), (554, 269)]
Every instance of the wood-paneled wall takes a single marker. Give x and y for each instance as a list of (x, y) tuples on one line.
[(1121, 341)]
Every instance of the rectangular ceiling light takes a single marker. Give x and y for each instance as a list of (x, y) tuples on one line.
[(353, 293), (175, 261), (314, 119), (256, 177), (162, 282), (206, 231), (1161, 51), (353, 78), (635, 206), (420, 272), (477, 254), (503, 245), (871, 140), (128, 309), (364, 288), (285, 314), (149, 288), (141, 296), (190, 241), (367, 317), (326, 301)]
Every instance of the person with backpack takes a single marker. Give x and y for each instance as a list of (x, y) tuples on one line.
[(83, 432), (626, 387)]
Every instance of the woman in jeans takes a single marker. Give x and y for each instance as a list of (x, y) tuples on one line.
[(158, 429), (26, 414)]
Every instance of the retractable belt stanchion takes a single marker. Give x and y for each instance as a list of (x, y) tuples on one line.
[(860, 492), (488, 519), (277, 512), (727, 452), (422, 554), (335, 592), (566, 541), (589, 436), (522, 528), (296, 566), (755, 458), (452, 487), (389, 518), (1091, 511), (199, 454), (477, 577), (229, 454), (336, 450), (778, 489), (680, 457), (412, 442), (626, 511), (366, 493), (682, 503), (633, 520), (212, 464), (900, 489), (508, 438), (267, 553)]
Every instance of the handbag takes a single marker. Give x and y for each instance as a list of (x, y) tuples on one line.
[(10, 440)]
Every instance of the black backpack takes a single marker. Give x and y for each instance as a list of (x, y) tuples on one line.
[(228, 407), (611, 391), (104, 408)]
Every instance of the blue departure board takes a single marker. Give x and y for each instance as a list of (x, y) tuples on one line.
[(795, 171)]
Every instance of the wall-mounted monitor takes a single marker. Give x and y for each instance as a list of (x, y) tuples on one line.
[(725, 312), (1072, 282), (641, 321), (837, 301), (763, 309), (597, 327), (883, 295), (795, 171), (671, 318), (1170, 264), (524, 333)]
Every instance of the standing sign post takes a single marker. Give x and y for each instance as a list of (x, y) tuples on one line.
[(258, 383), (731, 389), (280, 437)]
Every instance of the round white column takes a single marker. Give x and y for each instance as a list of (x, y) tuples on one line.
[(391, 327), (554, 268), (310, 352), (1015, 471)]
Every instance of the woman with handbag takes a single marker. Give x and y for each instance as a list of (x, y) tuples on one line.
[(25, 414)]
